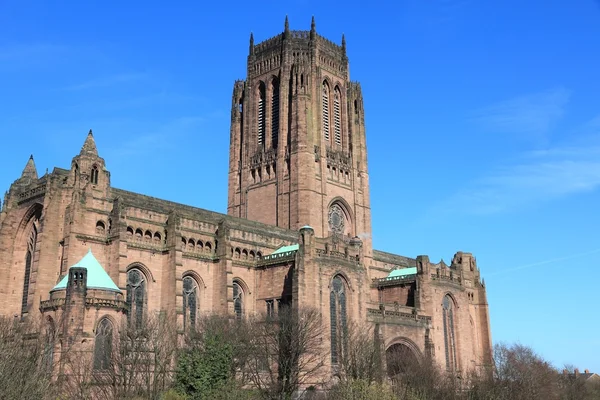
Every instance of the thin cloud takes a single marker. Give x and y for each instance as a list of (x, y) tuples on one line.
[(534, 177), (533, 114), (545, 262), (108, 81)]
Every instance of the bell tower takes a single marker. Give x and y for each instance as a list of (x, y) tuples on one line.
[(298, 151)]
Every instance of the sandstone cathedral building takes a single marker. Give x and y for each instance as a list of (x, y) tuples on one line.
[(297, 230)]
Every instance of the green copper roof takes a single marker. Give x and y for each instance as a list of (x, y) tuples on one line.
[(397, 273), (97, 278), (285, 249)]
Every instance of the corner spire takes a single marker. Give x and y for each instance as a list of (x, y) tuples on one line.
[(344, 43), (251, 43), (313, 28), (30, 171), (89, 146), (287, 24)]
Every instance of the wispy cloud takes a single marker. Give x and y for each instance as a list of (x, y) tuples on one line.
[(108, 81), (163, 137), (544, 262), (532, 114), (533, 177)]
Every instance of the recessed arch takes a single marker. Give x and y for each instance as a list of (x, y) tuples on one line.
[(100, 227), (207, 247), (103, 341), (138, 233), (142, 267), (401, 355), (148, 235), (94, 175), (344, 277), (191, 300), (342, 204), (129, 231)]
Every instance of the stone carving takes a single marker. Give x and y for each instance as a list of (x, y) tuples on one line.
[(337, 219)]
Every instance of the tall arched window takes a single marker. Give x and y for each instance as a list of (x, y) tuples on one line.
[(261, 113), (275, 113), (136, 297), (337, 116), (190, 302), (238, 300), (28, 266), (103, 344), (325, 103), (94, 175), (337, 310), (449, 333)]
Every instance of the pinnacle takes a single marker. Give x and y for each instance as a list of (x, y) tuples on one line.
[(89, 146), (30, 171), (312, 24)]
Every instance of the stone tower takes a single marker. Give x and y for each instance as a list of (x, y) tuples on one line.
[(298, 145)]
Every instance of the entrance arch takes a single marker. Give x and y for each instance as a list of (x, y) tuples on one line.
[(401, 357)]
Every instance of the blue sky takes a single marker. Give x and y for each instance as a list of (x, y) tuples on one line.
[(483, 126)]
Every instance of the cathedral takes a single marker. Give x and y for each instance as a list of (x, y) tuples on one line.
[(297, 229)]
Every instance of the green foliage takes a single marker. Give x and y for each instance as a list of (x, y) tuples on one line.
[(361, 390), (206, 369), (173, 395)]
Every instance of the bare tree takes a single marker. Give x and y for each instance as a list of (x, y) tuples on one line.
[(25, 360), (287, 352), (141, 362), (359, 354)]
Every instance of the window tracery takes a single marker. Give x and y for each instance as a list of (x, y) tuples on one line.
[(337, 309), (190, 302), (103, 345), (136, 297)]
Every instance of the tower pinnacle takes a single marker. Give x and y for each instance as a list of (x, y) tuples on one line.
[(30, 171), (251, 43), (89, 146), (287, 24), (313, 29)]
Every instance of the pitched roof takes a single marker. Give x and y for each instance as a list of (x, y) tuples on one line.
[(97, 278), (285, 249), (402, 272)]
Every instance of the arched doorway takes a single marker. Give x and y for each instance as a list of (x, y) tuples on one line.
[(400, 358)]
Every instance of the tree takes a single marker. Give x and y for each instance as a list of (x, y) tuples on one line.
[(213, 359), (359, 354), (26, 360), (141, 361), (287, 352)]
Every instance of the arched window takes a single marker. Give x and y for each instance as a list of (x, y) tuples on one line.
[(337, 118), (337, 310), (136, 297), (325, 103), (238, 300), (100, 228), (274, 113), (103, 345), (190, 302), (28, 265), (94, 175), (261, 113), (449, 333)]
